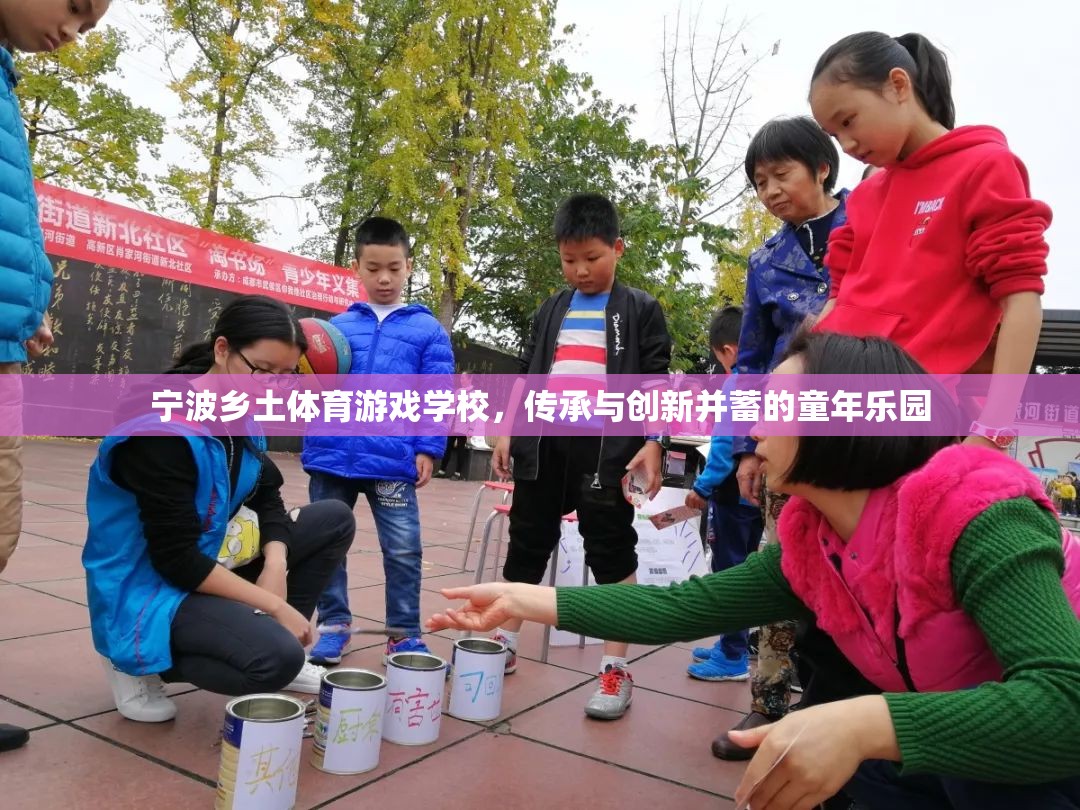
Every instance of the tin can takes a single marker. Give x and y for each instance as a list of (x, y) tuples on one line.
[(349, 721), (260, 753), (414, 696), (476, 680)]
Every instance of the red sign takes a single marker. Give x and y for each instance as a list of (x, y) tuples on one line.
[(80, 227)]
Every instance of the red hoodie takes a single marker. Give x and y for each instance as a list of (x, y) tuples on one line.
[(932, 245)]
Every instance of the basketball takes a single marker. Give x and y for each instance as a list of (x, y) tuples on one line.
[(328, 351)]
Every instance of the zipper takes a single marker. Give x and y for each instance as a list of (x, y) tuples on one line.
[(375, 342), (378, 331), (603, 431), (901, 652)]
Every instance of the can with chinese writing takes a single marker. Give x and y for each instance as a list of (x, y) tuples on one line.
[(260, 753), (348, 724), (476, 680), (414, 698)]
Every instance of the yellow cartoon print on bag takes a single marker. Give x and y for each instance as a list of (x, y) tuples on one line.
[(241, 543)]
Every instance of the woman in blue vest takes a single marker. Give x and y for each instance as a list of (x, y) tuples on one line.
[(195, 572)]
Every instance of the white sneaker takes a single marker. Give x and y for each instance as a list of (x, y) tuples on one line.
[(139, 698), (309, 681)]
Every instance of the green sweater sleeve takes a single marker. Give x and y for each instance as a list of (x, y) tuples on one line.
[(1006, 569), (748, 595)]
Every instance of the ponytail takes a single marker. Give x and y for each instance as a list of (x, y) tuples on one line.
[(866, 60), (933, 81), (198, 358)]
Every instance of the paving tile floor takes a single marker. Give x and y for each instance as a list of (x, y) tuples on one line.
[(541, 752)]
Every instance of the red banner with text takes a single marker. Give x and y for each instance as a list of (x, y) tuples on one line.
[(77, 226)]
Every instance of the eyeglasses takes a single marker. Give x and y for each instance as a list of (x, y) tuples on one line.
[(286, 381)]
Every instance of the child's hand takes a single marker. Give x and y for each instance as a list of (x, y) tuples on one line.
[(648, 461), (425, 465), (695, 501), (500, 458), (42, 339), (750, 478)]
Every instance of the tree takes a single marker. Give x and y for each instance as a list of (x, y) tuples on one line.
[(579, 141), (753, 224), (458, 108), (81, 130), (344, 129), (705, 89), (228, 92)]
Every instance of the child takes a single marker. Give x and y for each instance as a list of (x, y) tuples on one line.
[(1068, 497), (26, 275), (456, 459), (735, 526), (947, 244), (792, 165), (597, 327), (387, 336), (172, 597)]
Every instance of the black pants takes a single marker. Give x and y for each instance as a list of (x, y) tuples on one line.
[(226, 647), (456, 457), (565, 483)]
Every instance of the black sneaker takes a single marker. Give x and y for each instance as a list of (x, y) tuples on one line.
[(751, 646), (12, 737)]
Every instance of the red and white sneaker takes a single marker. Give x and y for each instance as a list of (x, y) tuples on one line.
[(511, 654)]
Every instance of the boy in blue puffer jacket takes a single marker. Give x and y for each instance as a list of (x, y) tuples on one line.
[(387, 336), (26, 275), (734, 525)]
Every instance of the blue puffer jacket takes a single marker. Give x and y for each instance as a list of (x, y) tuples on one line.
[(408, 341), (26, 275)]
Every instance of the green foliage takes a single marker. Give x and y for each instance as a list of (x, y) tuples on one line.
[(82, 131), (753, 224), (230, 93), (457, 113)]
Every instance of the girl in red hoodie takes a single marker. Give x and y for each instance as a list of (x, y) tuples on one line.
[(947, 245)]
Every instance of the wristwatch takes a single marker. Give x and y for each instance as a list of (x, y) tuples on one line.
[(1003, 438)]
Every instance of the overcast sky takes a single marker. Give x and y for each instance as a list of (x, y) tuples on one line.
[(1013, 67)]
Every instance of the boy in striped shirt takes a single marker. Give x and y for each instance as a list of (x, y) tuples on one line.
[(596, 327)]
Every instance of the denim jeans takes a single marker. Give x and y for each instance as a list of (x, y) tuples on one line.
[(397, 523), (734, 533), (878, 785)]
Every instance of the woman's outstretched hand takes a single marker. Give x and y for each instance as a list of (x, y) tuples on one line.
[(808, 756), (489, 605)]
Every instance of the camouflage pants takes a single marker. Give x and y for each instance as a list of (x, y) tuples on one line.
[(770, 685), (10, 459)]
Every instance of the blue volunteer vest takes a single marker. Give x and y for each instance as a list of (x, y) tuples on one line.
[(131, 605)]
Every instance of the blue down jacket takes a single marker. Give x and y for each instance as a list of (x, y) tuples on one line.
[(408, 341), (26, 275)]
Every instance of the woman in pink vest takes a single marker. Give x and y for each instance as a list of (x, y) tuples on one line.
[(942, 574)]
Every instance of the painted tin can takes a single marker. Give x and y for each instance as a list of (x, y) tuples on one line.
[(476, 680), (260, 753), (349, 721), (415, 683)]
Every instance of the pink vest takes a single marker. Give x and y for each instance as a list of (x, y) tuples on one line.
[(889, 602)]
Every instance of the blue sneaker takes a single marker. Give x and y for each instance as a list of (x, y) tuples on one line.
[(702, 653), (405, 645), (333, 639), (721, 668)]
